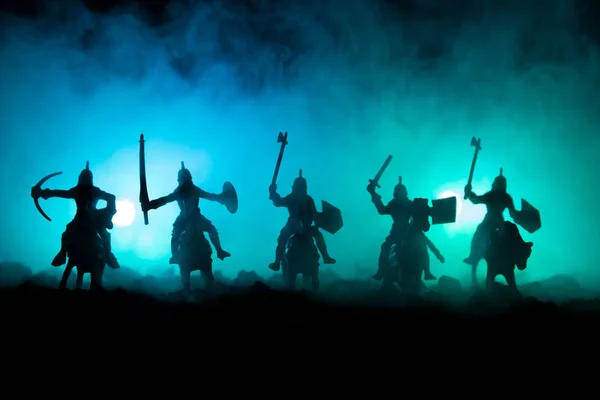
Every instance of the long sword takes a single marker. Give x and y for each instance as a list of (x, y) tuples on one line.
[(144, 199)]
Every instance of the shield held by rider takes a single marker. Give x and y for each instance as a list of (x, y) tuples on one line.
[(330, 219), (443, 211), (528, 217)]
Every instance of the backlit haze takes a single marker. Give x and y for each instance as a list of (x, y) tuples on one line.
[(351, 81)]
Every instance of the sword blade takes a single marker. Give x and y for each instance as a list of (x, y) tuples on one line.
[(375, 181), (144, 198)]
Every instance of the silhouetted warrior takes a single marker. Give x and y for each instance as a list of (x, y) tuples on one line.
[(302, 211), (496, 201), (399, 208), (188, 198), (86, 196)]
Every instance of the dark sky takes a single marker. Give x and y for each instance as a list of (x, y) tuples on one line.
[(212, 83)]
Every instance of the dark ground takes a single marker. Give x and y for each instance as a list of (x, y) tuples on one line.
[(262, 305), (247, 307)]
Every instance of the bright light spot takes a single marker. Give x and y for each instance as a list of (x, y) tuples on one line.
[(125, 213), (468, 215), (449, 193)]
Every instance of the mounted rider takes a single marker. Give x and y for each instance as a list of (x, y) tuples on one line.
[(188, 196), (86, 196), (496, 201), (302, 212), (400, 209)]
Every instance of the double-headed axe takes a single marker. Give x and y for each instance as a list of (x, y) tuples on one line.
[(477, 144), (281, 138)]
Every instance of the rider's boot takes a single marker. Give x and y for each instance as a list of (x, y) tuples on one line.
[(221, 254), (322, 246), (474, 256), (279, 251), (429, 276), (61, 257)]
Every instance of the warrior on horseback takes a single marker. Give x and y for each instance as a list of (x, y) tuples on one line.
[(400, 209), (302, 212), (188, 196), (496, 201), (86, 196)]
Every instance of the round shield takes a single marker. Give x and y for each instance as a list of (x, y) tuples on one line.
[(230, 197)]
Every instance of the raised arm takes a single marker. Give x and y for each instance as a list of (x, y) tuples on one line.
[(276, 198), (382, 209), (376, 199), (473, 198)]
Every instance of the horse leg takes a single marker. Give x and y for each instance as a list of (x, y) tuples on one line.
[(95, 279), (490, 279), (185, 278), (291, 280), (208, 277), (65, 276), (315, 279), (306, 280), (474, 281), (79, 281), (511, 281)]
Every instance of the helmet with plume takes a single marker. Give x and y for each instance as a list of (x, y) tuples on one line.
[(300, 185), (499, 182), (184, 175), (400, 190), (86, 177)]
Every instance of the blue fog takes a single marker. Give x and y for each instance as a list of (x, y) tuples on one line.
[(351, 84)]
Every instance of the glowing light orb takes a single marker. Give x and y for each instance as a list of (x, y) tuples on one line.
[(449, 193), (125, 213)]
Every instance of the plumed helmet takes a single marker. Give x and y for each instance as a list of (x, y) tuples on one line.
[(499, 182), (184, 175), (300, 184), (400, 190), (86, 177)]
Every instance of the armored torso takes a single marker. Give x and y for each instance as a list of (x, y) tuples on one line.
[(187, 200), (496, 202), (86, 197), (302, 209), (400, 212)]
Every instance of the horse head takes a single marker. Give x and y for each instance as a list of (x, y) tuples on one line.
[(419, 221)]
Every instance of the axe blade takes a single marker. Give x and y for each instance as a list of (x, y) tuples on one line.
[(476, 143), (282, 138)]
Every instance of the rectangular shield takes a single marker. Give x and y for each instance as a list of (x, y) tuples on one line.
[(529, 217), (443, 211), (330, 219)]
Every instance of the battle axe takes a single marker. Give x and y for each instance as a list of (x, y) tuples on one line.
[(477, 144), (281, 138)]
